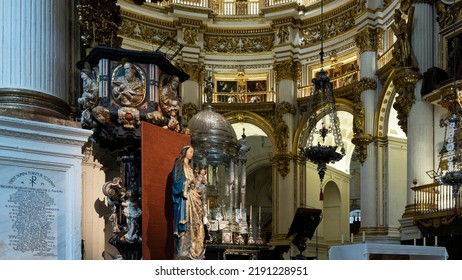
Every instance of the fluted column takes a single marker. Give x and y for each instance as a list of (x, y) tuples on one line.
[(35, 57), (366, 97), (420, 132)]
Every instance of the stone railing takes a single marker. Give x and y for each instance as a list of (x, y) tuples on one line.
[(232, 8)]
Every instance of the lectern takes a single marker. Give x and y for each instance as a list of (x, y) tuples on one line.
[(305, 222)]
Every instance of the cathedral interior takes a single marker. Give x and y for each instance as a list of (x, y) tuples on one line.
[(259, 86)]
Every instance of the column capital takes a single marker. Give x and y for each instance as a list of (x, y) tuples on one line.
[(287, 70), (364, 84), (195, 70), (366, 40)]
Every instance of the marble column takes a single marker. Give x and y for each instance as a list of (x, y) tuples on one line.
[(35, 57), (366, 95)]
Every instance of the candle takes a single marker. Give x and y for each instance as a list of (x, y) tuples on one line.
[(343, 239), (352, 239), (364, 236), (250, 213), (415, 242), (240, 210), (208, 209), (436, 240), (424, 241), (259, 213)]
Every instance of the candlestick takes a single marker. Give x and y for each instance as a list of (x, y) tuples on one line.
[(424, 241), (436, 240), (250, 213), (415, 242), (343, 239), (364, 236), (352, 238)]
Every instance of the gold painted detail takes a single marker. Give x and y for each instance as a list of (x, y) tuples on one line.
[(436, 222), (283, 34), (402, 28), (281, 129), (287, 70), (100, 21), (196, 71), (365, 84), (405, 80), (129, 118), (188, 110), (361, 140), (239, 44), (282, 162), (331, 28), (240, 116), (140, 31), (190, 35), (366, 40), (446, 14)]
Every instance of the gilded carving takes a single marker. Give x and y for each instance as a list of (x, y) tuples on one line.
[(196, 71), (361, 140), (446, 14), (283, 34), (287, 70), (282, 162), (146, 33), (365, 84), (402, 52), (405, 80), (331, 28), (366, 40), (190, 35), (129, 118), (100, 21), (239, 44), (189, 110)]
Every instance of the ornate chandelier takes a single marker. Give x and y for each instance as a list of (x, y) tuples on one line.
[(322, 106)]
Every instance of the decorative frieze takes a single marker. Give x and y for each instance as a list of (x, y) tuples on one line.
[(239, 44)]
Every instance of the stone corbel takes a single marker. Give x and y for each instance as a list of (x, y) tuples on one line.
[(282, 162), (405, 80), (361, 141)]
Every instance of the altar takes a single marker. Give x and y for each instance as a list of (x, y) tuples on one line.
[(373, 251), (245, 252)]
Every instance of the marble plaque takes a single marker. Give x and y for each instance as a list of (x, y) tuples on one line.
[(31, 213)]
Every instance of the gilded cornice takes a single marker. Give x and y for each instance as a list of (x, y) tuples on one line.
[(187, 22), (149, 20), (192, 9), (366, 40), (280, 8), (238, 31), (196, 71), (334, 13), (286, 21), (287, 70)]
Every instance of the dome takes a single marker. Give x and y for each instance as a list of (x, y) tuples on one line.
[(212, 135)]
